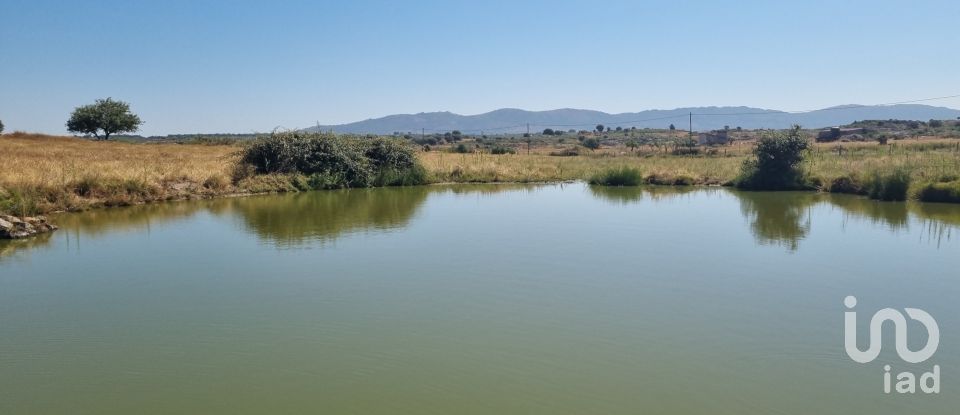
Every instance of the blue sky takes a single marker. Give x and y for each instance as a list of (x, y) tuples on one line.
[(244, 66)]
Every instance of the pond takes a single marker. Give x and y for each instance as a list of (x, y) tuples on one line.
[(478, 299)]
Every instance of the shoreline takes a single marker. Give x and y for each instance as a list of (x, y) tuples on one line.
[(42, 174), (44, 217)]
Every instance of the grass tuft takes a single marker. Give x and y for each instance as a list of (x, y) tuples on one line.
[(941, 192), (889, 186), (621, 176)]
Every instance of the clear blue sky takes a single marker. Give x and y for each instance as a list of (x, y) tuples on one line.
[(243, 66)]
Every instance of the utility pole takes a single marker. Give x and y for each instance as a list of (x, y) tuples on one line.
[(691, 125), (422, 136), (529, 139)]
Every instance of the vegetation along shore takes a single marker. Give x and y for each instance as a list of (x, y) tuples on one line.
[(41, 174)]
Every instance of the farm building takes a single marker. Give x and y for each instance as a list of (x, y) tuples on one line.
[(716, 137), (836, 133)]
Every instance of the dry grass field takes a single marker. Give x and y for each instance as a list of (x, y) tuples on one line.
[(927, 159), (41, 173)]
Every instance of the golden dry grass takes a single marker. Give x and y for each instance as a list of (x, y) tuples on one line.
[(49, 160), (448, 167), (40, 173), (927, 159)]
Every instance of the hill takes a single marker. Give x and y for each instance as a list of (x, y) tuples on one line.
[(512, 120)]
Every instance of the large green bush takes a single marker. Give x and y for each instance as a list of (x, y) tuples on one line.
[(777, 163), (330, 161)]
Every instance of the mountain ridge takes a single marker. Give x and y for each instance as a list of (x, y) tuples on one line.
[(515, 120)]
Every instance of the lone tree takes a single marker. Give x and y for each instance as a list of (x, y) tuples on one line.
[(777, 163), (599, 128), (1, 127), (106, 116), (672, 127)]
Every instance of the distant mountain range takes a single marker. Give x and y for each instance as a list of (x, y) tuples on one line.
[(510, 120)]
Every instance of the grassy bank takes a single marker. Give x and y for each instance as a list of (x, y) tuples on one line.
[(928, 160), (42, 173)]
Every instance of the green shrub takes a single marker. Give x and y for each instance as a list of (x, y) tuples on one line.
[(329, 161), (622, 176), (847, 184), (591, 143), (684, 180), (460, 149), (892, 186), (943, 192), (502, 150), (389, 154), (777, 163), (401, 177)]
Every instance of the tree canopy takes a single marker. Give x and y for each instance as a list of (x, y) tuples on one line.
[(776, 164), (103, 118)]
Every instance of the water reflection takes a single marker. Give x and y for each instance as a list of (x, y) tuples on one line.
[(939, 220), (296, 219), (291, 220), (785, 218), (633, 194), (286, 220), (9, 248), (894, 216), (778, 218)]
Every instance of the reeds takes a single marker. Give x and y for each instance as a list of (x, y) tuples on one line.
[(620, 176)]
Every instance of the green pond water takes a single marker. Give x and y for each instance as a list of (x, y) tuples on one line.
[(552, 299)]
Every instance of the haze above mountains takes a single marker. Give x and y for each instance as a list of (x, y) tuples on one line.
[(510, 120)]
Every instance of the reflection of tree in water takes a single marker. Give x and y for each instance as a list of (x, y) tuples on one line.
[(294, 219), (894, 215), (778, 218), (632, 194)]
